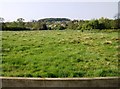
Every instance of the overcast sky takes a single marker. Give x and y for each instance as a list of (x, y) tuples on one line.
[(73, 9)]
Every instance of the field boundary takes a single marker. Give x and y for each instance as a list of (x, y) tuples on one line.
[(60, 82)]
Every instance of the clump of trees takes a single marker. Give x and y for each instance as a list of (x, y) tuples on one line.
[(60, 24)]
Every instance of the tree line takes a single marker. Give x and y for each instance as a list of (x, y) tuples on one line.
[(60, 24)]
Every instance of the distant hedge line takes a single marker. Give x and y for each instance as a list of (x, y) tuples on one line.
[(15, 29), (61, 24)]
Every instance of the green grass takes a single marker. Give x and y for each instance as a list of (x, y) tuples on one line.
[(59, 54)]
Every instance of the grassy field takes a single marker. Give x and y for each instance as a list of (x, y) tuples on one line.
[(59, 54)]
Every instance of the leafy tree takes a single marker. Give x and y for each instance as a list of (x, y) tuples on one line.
[(94, 24), (1, 20), (40, 26), (72, 25), (87, 26), (43, 26), (61, 27), (20, 19), (20, 22), (101, 23), (80, 23)]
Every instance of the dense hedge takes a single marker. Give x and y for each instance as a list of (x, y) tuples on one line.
[(62, 24), (15, 29)]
